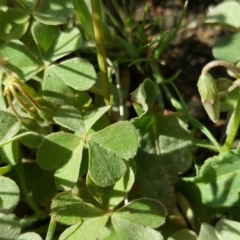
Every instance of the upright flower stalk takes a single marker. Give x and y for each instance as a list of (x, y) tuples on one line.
[(101, 49)]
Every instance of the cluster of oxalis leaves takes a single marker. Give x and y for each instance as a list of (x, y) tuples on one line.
[(79, 167), (78, 152)]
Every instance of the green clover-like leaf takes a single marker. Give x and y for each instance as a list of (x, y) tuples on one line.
[(70, 209)]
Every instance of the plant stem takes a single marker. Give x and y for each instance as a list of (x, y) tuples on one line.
[(26, 222), (16, 138), (51, 228), (232, 127), (219, 63), (195, 122), (101, 50)]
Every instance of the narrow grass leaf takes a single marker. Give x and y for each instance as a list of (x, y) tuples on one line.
[(85, 18)]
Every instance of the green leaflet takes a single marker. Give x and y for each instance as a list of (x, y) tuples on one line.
[(9, 195), (9, 126), (143, 211), (14, 23), (20, 60), (164, 151), (107, 149), (52, 12), (9, 226), (218, 181), (226, 14), (57, 149), (88, 230), (54, 43), (70, 209)]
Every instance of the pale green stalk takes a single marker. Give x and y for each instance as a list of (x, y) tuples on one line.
[(51, 228), (101, 49), (232, 127)]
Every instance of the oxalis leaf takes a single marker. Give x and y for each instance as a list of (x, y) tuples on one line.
[(184, 234), (9, 126), (10, 152), (230, 52), (226, 14), (70, 117), (88, 230), (54, 43), (9, 226), (217, 184), (109, 197), (57, 149), (76, 73), (134, 221), (107, 149), (52, 12), (207, 231), (67, 176), (165, 148), (20, 60), (70, 209), (143, 211), (9, 195), (14, 23), (29, 236), (224, 229)]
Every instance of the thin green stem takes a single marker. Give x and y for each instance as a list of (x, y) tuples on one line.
[(195, 122), (232, 127), (199, 143), (51, 228), (219, 63), (9, 100), (27, 222), (101, 49), (16, 95), (172, 36), (16, 138), (25, 93)]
